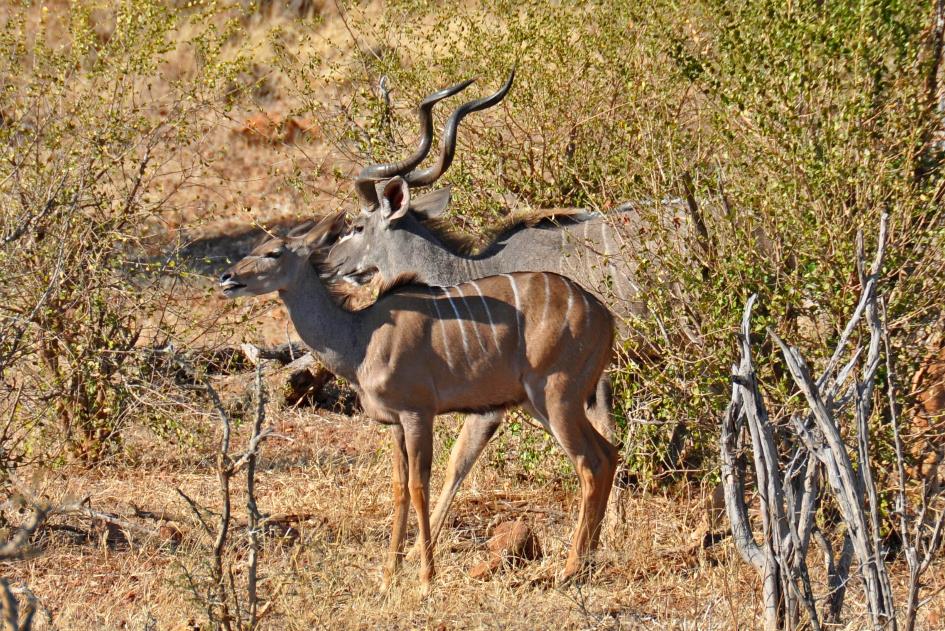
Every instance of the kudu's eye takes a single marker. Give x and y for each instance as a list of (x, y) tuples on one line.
[(357, 229), (274, 254)]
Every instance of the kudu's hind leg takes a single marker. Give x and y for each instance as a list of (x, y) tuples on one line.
[(418, 437), (475, 434), (599, 411), (594, 460), (401, 502)]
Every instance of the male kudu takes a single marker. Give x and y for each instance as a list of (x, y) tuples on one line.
[(395, 235), (535, 340)]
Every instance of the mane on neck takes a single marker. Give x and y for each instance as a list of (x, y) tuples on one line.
[(357, 299), (398, 282), (466, 245)]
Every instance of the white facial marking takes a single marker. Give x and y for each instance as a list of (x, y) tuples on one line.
[(485, 305), (446, 340), (518, 322), (459, 319)]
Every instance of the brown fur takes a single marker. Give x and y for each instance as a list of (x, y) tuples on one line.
[(362, 297), (928, 384), (467, 245), (403, 280)]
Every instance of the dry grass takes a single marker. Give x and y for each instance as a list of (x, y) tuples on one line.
[(325, 572)]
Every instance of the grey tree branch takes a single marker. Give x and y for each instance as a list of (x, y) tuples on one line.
[(786, 511), (790, 492), (251, 509)]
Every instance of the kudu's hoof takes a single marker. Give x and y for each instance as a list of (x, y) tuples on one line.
[(575, 576), (426, 588)]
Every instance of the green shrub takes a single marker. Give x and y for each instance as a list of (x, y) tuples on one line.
[(88, 143), (798, 123)]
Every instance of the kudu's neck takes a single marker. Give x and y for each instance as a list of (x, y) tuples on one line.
[(423, 254), (330, 331)]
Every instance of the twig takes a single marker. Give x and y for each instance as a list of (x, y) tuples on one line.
[(251, 509), (196, 510)]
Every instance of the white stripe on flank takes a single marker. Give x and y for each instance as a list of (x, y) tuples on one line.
[(495, 337), (587, 310), (459, 320), (446, 341), (472, 322), (567, 312), (518, 322), (544, 311)]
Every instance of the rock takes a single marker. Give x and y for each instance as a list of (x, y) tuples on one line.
[(512, 543), (482, 571), (170, 535), (271, 128), (300, 381)]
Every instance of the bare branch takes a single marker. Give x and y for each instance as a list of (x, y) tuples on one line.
[(196, 509), (18, 547), (251, 509)]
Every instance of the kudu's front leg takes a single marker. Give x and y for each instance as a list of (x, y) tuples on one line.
[(477, 430), (399, 493), (418, 435)]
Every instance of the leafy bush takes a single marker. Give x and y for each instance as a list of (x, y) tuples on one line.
[(797, 124), (87, 148)]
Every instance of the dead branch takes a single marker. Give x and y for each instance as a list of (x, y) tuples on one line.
[(852, 487), (789, 493), (11, 618), (920, 542), (786, 506), (284, 353), (225, 606), (9, 609), (251, 509), (18, 547), (84, 509)]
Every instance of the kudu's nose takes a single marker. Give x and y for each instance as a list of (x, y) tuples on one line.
[(225, 277)]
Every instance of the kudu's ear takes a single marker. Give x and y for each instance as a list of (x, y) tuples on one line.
[(432, 204), (325, 231), (395, 199), (300, 229)]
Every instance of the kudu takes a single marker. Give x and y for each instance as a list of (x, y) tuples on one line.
[(526, 339), (395, 236), (585, 246)]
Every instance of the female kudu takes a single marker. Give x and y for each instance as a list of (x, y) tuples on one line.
[(527, 339)]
